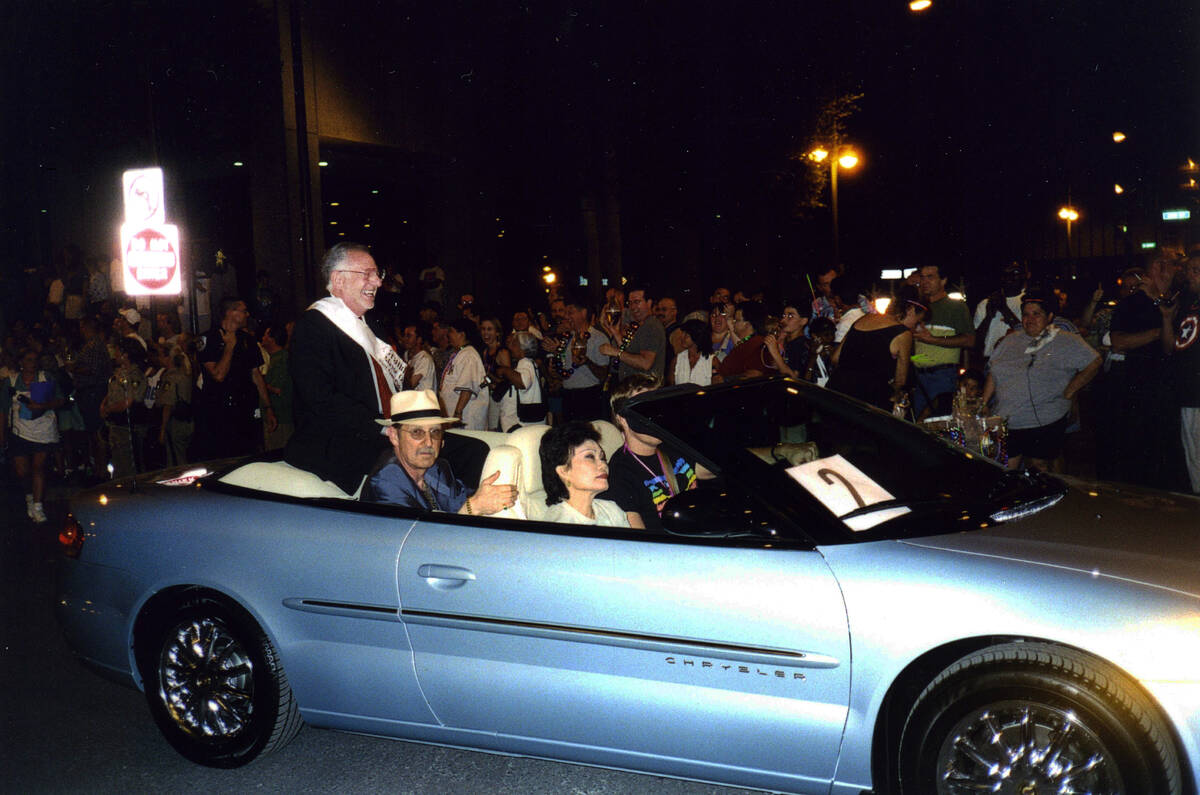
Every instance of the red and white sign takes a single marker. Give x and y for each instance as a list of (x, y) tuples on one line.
[(150, 258)]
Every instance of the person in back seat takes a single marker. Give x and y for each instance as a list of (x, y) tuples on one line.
[(574, 471), (416, 476)]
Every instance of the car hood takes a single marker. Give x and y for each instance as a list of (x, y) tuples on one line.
[(1106, 529)]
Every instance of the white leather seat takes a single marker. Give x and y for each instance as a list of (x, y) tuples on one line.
[(280, 477)]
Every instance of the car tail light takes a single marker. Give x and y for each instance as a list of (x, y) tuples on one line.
[(70, 538)]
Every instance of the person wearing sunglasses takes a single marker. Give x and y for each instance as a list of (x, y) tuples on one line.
[(416, 476)]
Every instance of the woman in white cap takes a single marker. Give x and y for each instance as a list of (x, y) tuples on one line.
[(416, 476)]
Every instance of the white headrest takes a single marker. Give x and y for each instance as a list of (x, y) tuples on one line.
[(506, 460)]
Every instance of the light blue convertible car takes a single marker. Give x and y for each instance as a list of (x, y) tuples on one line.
[(851, 606)]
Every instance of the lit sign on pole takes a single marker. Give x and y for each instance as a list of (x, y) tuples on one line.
[(1176, 215), (149, 246)]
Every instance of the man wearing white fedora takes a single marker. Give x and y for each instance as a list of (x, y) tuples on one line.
[(415, 476)]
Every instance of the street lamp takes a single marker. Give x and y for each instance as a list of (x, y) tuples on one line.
[(845, 158), (1070, 215)]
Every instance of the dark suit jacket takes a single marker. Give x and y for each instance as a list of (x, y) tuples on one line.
[(336, 404)]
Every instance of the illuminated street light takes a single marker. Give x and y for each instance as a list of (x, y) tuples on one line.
[(919, 5), (1070, 215), (844, 158), (1117, 189), (1118, 137)]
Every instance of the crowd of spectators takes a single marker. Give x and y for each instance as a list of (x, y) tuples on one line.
[(95, 388)]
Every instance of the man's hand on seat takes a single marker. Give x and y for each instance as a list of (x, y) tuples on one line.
[(490, 498)]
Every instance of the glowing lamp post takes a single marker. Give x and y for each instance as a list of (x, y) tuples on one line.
[(1070, 215), (845, 159)]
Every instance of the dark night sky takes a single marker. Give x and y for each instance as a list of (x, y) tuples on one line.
[(978, 117)]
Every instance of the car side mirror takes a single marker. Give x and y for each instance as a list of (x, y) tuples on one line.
[(714, 512)]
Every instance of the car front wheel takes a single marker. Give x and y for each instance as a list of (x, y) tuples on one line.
[(1029, 717), (215, 685)]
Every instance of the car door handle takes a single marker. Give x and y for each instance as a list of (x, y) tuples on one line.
[(445, 577)]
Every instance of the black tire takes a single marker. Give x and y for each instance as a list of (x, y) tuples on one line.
[(1035, 714), (215, 685)]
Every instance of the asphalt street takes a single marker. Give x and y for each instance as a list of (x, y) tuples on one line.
[(65, 729)]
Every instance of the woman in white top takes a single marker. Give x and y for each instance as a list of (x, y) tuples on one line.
[(574, 471), (522, 403), (462, 392), (694, 363)]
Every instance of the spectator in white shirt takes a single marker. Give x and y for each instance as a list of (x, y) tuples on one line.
[(422, 372)]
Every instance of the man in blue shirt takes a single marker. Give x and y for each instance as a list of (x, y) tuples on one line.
[(415, 476)]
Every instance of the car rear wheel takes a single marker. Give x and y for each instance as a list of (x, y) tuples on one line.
[(1029, 717), (215, 685)]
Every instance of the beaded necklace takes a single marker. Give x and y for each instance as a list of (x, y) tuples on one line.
[(613, 366)]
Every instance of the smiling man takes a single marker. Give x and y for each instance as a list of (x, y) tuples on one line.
[(639, 345), (343, 376)]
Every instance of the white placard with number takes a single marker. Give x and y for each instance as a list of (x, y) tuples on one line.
[(842, 487)]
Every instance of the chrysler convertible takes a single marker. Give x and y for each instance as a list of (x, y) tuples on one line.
[(851, 605)]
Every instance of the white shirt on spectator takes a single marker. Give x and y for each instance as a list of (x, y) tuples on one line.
[(532, 393), (425, 372)]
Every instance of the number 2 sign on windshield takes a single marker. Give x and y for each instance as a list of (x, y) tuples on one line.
[(842, 488)]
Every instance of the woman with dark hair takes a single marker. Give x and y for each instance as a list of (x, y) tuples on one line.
[(574, 471), (787, 349), (872, 362), (746, 359), (462, 390), (495, 356), (694, 362)]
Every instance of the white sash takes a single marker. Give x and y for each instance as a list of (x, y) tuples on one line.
[(356, 329)]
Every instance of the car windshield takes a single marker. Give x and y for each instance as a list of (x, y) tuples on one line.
[(875, 475)]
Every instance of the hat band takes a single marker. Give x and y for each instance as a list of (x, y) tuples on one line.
[(416, 415)]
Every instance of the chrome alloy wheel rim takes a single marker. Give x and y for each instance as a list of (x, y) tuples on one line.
[(1025, 749), (207, 680)]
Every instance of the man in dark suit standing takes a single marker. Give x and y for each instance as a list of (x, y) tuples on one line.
[(343, 375)]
